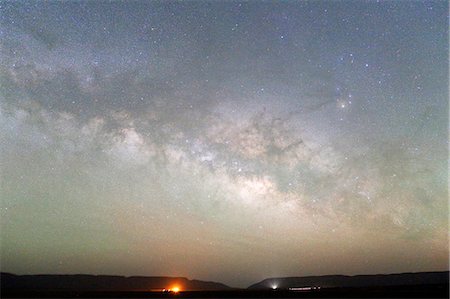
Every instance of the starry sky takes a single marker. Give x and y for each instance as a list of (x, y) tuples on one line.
[(223, 140)]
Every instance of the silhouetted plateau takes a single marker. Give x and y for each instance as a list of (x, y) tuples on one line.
[(334, 281), (102, 283), (405, 285)]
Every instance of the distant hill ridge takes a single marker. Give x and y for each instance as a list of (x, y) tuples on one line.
[(355, 281), (84, 282)]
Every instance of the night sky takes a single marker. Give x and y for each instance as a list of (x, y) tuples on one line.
[(221, 140)]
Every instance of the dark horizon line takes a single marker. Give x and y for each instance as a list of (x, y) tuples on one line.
[(212, 281), (166, 276)]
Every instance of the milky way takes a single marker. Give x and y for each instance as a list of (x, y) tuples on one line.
[(221, 140)]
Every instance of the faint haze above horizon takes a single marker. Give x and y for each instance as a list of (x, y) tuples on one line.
[(224, 140)]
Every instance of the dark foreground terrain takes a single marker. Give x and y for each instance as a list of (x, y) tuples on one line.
[(422, 291), (406, 285)]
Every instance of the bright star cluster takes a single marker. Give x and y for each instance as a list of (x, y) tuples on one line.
[(225, 140)]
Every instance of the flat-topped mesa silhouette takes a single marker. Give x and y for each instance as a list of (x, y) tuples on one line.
[(39, 284), (333, 281), (82, 282)]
